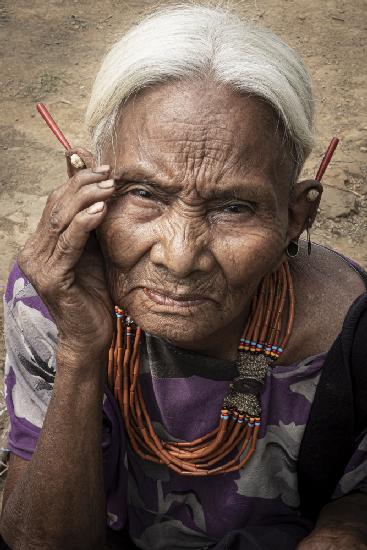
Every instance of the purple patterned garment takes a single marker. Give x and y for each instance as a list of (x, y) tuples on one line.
[(184, 392)]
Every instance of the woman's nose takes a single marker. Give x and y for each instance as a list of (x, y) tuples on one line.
[(182, 247)]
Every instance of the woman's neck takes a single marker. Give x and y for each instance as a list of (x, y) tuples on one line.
[(223, 343)]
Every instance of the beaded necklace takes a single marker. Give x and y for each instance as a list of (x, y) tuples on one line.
[(265, 337)]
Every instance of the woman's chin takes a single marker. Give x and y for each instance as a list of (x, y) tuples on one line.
[(185, 329), (179, 329), (185, 319)]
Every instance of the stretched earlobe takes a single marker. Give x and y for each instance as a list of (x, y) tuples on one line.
[(292, 249), (308, 229), (303, 208)]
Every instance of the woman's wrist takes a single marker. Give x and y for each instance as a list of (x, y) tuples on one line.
[(82, 363)]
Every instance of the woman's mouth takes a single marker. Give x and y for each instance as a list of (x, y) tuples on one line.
[(174, 300)]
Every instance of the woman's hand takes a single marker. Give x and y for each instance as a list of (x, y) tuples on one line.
[(338, 538), (63, 261)]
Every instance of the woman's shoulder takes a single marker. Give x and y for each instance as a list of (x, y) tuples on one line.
[(326, 285), (19, 290), (332, 272), (26, 317)]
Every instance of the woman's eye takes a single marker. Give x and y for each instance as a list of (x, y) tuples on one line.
[(143, 193), (237, 208)]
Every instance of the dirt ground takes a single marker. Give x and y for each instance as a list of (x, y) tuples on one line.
[(51, 51)]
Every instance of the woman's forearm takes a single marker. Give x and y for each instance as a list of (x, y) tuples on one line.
[(342, 524), (59, 502), (349, 512)]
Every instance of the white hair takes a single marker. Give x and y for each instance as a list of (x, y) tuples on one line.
[(186, 42)]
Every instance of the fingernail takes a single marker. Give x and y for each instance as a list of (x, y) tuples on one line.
[(101, 169), (95, 208), (106, 184)]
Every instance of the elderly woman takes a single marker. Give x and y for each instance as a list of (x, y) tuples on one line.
[(186, 223)]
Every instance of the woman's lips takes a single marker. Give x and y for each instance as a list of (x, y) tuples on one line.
[(161, 298)]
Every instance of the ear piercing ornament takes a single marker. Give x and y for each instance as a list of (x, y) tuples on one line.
[(292, 249), (75, 159), (308, 229), (312, 195)]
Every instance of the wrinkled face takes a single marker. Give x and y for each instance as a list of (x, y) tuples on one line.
[(200, 212)]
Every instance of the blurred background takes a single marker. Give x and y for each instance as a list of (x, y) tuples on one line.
[(51, 50)]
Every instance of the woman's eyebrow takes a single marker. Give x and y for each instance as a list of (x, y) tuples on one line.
[(253, 191), (126, 177)]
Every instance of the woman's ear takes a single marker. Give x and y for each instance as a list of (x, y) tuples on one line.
[(85, 155), (303, 205)]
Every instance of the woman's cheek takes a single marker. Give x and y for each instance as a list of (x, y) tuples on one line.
[(126, 235), (249, 254)]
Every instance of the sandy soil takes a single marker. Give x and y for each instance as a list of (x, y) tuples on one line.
[(51, 51)]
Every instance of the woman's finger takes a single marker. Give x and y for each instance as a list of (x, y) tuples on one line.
[(72, 241), (65, 192), (65, 212), (56, 274), (63, 204), (82, 177), (87, 176)]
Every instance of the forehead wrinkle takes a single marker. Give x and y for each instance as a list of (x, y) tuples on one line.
[(197, 126), (200, 155), (224, 188), (217, 154), (175, 176), (219, 127), (188, 175), (195, 145), (200, 152)]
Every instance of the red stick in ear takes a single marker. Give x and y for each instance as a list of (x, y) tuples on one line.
[(41, 108), (327, 158)]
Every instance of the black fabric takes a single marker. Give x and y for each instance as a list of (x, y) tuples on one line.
[(118, 540), (338, 414), (115, 540), (264, 537)]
